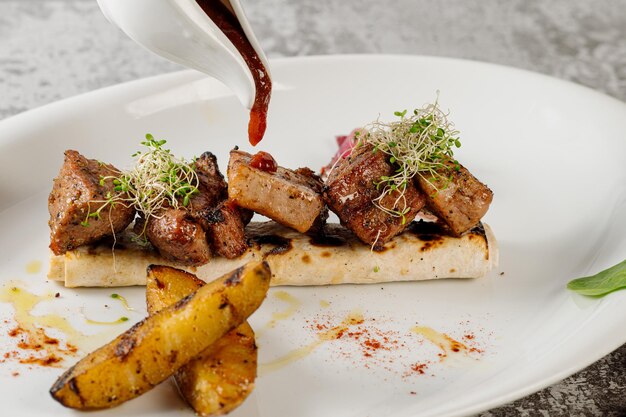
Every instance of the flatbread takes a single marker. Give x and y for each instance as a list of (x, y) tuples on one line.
[(424, 251)]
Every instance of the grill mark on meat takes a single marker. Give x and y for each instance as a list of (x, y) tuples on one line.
[(215, 216)]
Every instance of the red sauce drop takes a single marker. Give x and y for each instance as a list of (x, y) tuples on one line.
[(257, 124), (264, 161)]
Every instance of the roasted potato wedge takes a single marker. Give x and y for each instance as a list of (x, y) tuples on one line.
[(167, 285), (159, 345), (222, 376)]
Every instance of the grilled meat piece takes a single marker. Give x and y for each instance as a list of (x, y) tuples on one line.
[(211, 186), (177, 236), (73, 197), (190, 235), (211, 179), (351, 189), (318, 186), (292, 198), (223, 220), (225, 230), (457, 198)]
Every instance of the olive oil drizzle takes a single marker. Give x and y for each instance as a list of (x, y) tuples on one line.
[(354, 318)]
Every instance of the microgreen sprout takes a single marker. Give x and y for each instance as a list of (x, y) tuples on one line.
[(422, 144), (123, 300), (157, 180)]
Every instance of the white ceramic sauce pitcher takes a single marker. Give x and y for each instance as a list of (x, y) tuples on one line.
[(181, 31)]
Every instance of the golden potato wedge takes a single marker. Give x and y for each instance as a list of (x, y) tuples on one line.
[(159, 345), (166, 285), (222, 376)]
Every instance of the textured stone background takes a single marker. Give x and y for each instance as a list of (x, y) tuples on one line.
[(51, 49)]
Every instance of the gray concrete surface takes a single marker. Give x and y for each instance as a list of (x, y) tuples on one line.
[(51, 49)]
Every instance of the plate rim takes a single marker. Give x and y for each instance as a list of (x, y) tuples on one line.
[(174, 75), (151, 82)]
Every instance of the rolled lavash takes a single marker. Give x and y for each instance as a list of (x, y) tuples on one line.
[(423, 252)]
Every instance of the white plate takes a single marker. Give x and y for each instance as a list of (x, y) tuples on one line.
[(553, 153)]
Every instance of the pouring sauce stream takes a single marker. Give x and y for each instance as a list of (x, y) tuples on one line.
[(223, 15)]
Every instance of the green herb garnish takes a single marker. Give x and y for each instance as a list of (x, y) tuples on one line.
[(123, 300), (118, 321), (157, 179), (602, 283), (419, 144)]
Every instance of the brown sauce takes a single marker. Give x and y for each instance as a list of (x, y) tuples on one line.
[(222, 14)]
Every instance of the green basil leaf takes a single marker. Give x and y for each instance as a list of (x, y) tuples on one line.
[(602, 283)]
